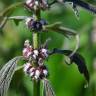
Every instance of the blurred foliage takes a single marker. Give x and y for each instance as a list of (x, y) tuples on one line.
[(66, 80)]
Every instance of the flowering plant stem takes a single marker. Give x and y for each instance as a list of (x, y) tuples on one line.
[(36, 84), (35, 37), (35, 40), (36, 88)]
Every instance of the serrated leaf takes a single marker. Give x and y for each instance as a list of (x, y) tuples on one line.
[(56, 27), (77, 59), (85, 5), (76, 11), (48, 90), (6, 74), (17, 19), (80, 3)]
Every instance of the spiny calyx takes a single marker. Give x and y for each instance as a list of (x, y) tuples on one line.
[(36, 73), (37, 55)]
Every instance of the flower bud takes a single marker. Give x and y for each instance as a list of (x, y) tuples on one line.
[(27, 52), (34, 24), (29, 4), (27, 43)]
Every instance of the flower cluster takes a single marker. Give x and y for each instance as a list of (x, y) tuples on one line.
[(35, 25), (32, 4), (37, 73), (38, 55)]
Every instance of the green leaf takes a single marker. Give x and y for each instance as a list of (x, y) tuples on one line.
[(48, 90), (77, 59), (6, 74), (56, 27)]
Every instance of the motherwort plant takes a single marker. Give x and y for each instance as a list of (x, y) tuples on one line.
[(35, 54)]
